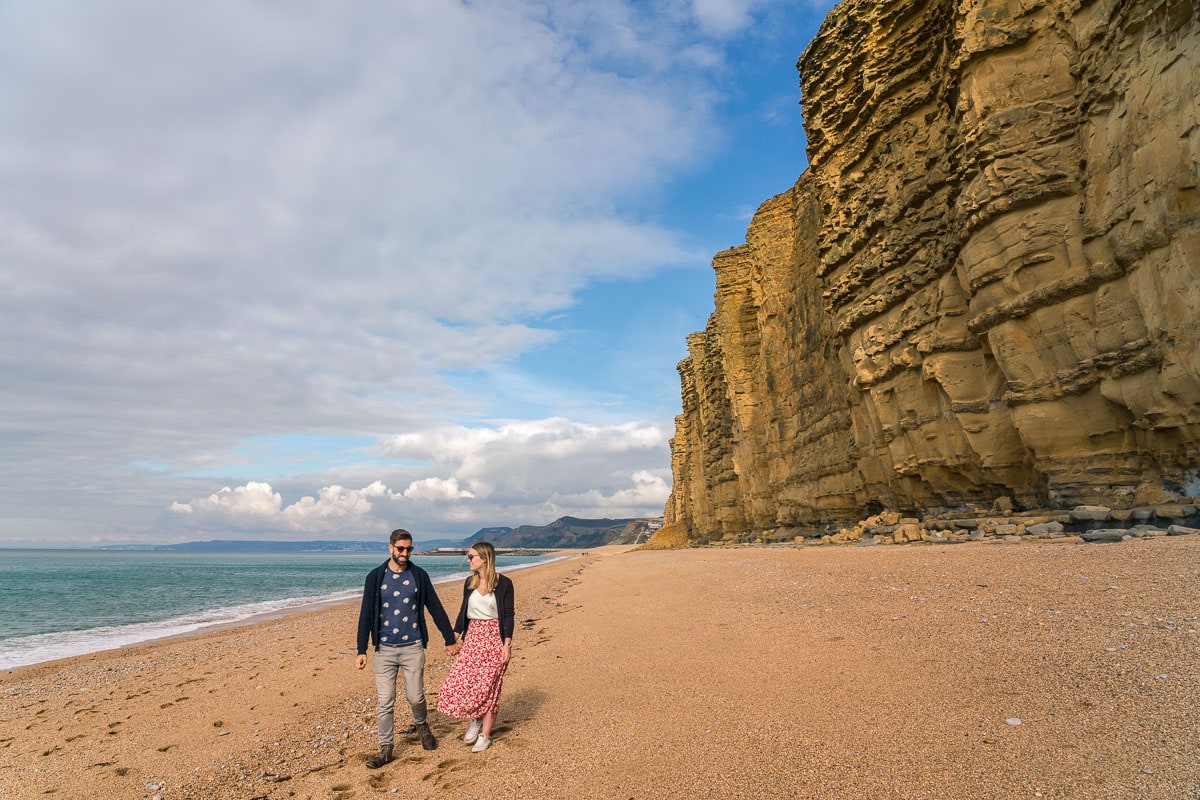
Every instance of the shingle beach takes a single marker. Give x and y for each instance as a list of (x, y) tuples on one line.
[(976, 670)]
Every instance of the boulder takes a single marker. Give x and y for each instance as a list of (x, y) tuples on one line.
[(1104, 535), (1091, 514)]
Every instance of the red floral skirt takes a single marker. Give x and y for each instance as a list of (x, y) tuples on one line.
[(472, 688)]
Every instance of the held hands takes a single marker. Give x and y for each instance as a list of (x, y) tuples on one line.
[(452, 649)]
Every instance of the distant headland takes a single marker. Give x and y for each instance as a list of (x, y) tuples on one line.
[(563, 533)]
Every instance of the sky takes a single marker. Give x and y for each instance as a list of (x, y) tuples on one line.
[(293, 269)]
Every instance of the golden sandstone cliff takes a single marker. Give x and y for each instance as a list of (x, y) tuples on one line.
[(984, 291)]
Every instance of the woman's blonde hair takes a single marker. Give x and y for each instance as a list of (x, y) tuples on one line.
[(484, 578)]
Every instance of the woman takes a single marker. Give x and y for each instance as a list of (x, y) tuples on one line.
[(485, 621)]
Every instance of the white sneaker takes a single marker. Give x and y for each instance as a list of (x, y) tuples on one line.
[(481, 744), (473, 731)]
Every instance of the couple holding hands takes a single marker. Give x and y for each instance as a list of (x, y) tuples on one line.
[(396, 596)]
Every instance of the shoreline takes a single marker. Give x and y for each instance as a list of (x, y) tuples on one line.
[(131, 638), (803, 672)]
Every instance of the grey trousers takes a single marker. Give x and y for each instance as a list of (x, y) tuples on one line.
[(409, 661)]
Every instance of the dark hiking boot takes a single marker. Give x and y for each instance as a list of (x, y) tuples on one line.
[(385, 757), (427, 740)]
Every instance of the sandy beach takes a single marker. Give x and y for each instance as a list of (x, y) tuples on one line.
[(979, 670)]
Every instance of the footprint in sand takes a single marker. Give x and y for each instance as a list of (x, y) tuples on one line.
[(443, 770)]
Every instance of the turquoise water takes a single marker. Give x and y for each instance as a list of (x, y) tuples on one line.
[(59, 603)]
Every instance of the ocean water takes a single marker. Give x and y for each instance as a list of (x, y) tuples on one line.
[(59, 603)]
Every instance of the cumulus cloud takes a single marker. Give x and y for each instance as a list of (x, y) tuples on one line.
[(254, 499), (647, 490), (434, 489), (528, 471), (550, 455), (256, 505)]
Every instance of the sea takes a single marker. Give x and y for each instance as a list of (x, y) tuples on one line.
[(60, 603)]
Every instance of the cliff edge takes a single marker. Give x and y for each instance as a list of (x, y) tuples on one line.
[(985, 288)]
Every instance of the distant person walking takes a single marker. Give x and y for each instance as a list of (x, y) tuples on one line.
[(396, 596), (472, 689)]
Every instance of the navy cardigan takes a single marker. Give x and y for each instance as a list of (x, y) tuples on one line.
[(504, 602)]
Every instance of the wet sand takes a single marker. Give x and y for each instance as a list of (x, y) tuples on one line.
[(805, 672)]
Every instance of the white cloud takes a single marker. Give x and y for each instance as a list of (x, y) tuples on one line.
[(552, 455), (332, 503), (519, 472), (647, 489), (256, 505), (255, 499), (435, 489), (723, 17), (556, 436)]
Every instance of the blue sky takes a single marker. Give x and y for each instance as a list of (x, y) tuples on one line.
[(309, 270)]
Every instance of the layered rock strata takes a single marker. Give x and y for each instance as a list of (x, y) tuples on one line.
[(985, 288)]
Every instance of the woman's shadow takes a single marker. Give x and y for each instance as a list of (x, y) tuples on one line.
[(520, 706)]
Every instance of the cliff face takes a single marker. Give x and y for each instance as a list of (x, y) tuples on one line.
[(986, 285)]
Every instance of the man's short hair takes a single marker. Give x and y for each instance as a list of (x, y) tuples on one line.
[(399, 534)]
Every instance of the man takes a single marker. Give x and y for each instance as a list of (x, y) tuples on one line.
[(395, 597)]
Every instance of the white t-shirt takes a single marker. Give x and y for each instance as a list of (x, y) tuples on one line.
[(482, 606)]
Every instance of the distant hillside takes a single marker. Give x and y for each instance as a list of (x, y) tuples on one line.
[(264, 546), (565, 532), (572, 532), (486, 535)]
